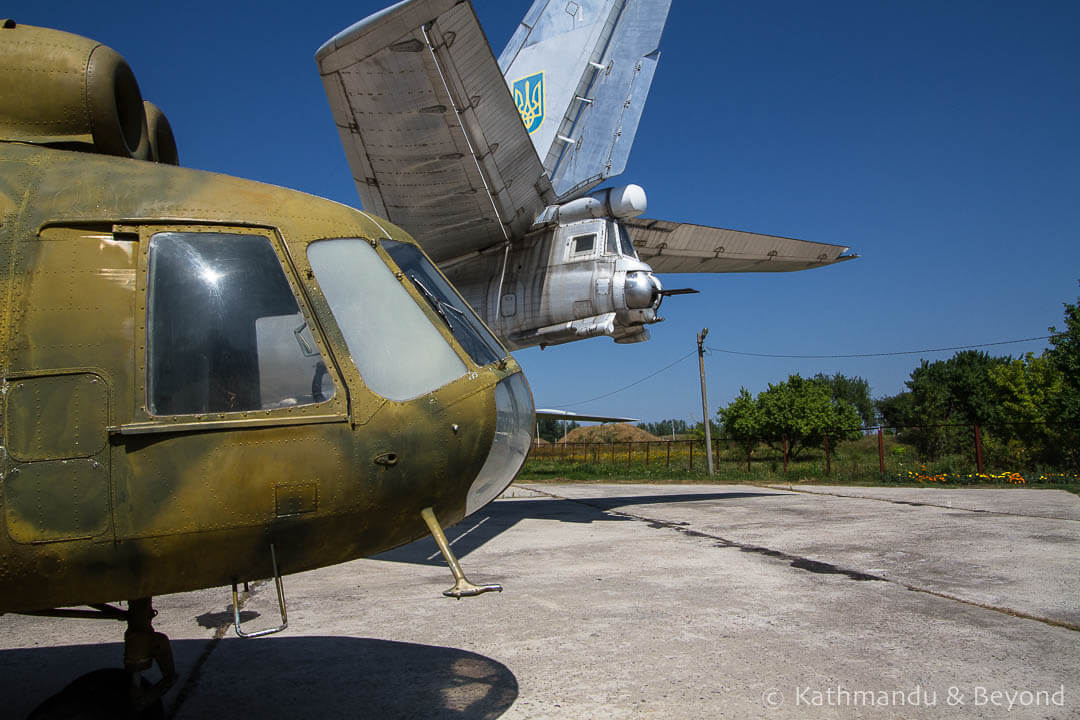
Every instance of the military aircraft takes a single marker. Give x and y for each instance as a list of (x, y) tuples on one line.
[(207, 379), (491, 164)]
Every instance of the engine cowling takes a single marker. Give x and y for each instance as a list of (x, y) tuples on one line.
[(69, 91), (621, 202)]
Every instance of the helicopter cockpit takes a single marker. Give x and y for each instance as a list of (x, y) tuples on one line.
[(226, 334)]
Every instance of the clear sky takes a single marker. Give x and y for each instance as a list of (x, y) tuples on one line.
[(940, 140)]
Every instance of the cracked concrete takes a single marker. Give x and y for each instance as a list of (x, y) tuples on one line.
[(628, 601)]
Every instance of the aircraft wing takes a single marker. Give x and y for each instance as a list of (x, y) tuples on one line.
[(568, 415), (433, 137), (672, 247), (580, 73)]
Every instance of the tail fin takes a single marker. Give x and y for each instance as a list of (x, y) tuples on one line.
[(580, 72)]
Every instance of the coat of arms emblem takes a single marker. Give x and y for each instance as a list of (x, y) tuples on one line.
[(529, 97)]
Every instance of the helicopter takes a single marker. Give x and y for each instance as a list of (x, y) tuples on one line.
[(208, 379)]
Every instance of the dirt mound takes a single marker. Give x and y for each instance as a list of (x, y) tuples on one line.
[(609, 432)]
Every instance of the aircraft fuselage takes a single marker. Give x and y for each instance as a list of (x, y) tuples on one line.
[(577, 280), (183, 384)]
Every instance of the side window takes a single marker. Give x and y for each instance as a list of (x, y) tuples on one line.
[(224, 331), (583, 244)]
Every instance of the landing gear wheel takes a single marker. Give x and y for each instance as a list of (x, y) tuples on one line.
[(99, 695)]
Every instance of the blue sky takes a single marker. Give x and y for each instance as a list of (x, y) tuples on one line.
[(938, 140)]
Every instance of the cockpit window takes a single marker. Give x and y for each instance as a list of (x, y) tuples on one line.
[(467, 329), (584, 244), (611, 246), (224, 331), (625, 242), (399, 353)]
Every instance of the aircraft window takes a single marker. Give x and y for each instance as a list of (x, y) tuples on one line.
[(584, 243), (610, 244), (399, 353), (466, 327), (625, 242), (224, 331)]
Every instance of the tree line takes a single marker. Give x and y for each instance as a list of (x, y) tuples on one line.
[(1028, 406)]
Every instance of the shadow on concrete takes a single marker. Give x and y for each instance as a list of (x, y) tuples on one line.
[(501, 515), (287, 678)]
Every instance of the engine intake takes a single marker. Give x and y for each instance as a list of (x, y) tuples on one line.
[(68, 91)]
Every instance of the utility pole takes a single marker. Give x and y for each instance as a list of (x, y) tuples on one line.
[(705, 397)]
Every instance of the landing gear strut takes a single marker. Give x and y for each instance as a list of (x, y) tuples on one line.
[(112, 693), (462, 586), (142, 648)]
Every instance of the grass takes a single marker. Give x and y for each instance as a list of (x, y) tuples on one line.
[(853, 463)]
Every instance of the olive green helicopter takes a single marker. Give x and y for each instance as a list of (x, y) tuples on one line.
[(208, 380)]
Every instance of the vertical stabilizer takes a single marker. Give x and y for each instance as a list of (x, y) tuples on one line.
[(580, 72)]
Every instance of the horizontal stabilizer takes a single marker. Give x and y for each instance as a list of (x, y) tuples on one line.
[(672, 247), (567, 415)]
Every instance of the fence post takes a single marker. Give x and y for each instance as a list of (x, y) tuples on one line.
[(629, 449), (612, 452), (785, 452), (978, 450), (647, 444), (828, 459), (716, 453), (881, 449), (668, 443), (749, 450), (691, 454)]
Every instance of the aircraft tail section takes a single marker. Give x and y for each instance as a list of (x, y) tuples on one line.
[(580, 73)]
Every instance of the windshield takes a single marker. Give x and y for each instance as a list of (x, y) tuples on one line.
[(466, 327), (399, 353), (625, 242)]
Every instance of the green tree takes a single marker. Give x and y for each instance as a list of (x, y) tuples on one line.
[(743, 421), (549, 429), (1028, 389), (956, 390), (897, 410), (947, 397), (855, 390), (663, 428), (800, 411), (1064, 356), (698, 431)]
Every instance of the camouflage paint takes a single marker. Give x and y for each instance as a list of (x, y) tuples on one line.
[(99, 499)]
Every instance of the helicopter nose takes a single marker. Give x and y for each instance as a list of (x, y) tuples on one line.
[(514, 420)]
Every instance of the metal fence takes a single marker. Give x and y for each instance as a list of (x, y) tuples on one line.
[(922, 452)]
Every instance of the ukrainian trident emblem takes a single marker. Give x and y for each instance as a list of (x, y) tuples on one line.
[(529, 97)]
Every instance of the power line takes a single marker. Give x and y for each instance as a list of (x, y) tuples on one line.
[(879, 354), (627, 387), (800, 357)]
